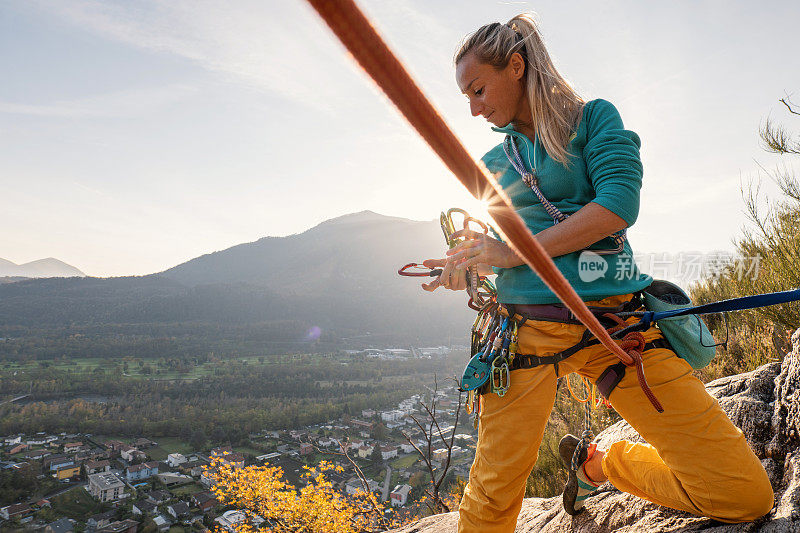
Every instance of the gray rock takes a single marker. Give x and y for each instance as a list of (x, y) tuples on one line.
[(764, 403)]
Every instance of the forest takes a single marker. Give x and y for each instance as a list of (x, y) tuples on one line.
[(224, 397)]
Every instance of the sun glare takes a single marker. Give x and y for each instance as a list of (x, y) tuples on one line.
[(479, 209)]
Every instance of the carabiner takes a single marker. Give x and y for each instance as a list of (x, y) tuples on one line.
[(501, 377), (421, 271)]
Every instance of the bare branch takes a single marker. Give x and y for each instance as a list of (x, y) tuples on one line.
[(788, 103)]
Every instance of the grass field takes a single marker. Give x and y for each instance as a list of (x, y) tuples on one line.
[(134, 372), (246, 450), (188, 489), (168, 445), (405, 462), (76, 504)]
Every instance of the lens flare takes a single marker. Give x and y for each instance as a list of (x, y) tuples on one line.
[(313, 334)]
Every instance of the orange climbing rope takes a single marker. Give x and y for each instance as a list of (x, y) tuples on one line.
[(358, 35)]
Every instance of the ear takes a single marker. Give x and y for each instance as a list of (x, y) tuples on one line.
[(517, 65)]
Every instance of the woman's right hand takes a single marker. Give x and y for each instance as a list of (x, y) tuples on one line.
[(451, 277)]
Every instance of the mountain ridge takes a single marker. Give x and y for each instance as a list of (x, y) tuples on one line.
[(49, 267), (340, 275)]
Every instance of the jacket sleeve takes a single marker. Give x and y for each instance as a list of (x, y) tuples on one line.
[(613, 163)]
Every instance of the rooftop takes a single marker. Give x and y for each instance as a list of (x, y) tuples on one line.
[(105, 480)]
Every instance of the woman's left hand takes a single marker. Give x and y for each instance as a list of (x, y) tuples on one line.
[(480, 248)]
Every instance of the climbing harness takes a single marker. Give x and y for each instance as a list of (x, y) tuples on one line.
[(532, 180), (494, 345)]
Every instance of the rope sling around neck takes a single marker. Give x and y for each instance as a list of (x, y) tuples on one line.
[(367, 47)]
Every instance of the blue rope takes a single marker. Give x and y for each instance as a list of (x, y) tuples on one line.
[(647, 318), (734, 304)]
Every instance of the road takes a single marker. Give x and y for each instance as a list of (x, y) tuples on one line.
[(15, 399), (67, 488), (385, 493)]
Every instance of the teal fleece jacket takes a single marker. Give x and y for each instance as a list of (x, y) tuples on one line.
[(604, 168)]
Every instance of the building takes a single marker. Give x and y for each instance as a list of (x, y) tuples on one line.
[(70, 447), (124, 526), (93, 467), (235, 460), (19, 448), (54, 462), (162, 523), (194, 467), (392, 416), (62, 525), (268, 456), (365, 451), (407, 447), (306, 448), (141, 471), (355, 485), (204, 501), (399, 496), (173, 478), (143, 507), (387, 452), (174, 459), (178, 510), (18, 511), (230, 519), (440, 454), (158, 496), (143, 443), (67, 472), (106, 487), (97, 521)]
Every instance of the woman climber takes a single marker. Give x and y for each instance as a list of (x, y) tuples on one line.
[(582, 175)]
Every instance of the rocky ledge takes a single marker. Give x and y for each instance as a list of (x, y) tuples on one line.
[(764, 403)]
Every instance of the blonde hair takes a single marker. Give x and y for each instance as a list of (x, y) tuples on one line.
[(555, 106)]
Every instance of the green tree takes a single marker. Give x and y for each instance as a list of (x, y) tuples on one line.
[(769, 255), (198, 439)]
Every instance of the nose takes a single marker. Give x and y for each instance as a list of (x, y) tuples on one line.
[(475, 108)]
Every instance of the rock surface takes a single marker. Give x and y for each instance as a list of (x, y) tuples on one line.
[(764, 403)]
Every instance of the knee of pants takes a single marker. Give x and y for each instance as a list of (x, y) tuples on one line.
[(754, 498), (759, 500)]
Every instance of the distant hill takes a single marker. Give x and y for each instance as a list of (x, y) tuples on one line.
[(12, 279), (41, 268), (340, 275)]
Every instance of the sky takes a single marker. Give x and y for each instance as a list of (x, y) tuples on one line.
[(136, 135)]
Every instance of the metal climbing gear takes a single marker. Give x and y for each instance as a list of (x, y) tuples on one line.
[(501, 377), (477, 298), (418, 270), (532, 181), (480, 289)]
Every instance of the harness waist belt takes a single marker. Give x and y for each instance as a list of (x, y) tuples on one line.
[(530, 361), (559, 313)]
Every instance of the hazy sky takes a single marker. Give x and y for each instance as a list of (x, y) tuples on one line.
[(135, 135)]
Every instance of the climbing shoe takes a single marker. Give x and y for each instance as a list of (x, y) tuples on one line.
[(578, 486)]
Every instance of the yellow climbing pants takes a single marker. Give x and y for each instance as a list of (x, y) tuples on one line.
[(696, 460)]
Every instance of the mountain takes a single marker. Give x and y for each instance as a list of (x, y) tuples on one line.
[(340, 276), (42, 268)]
